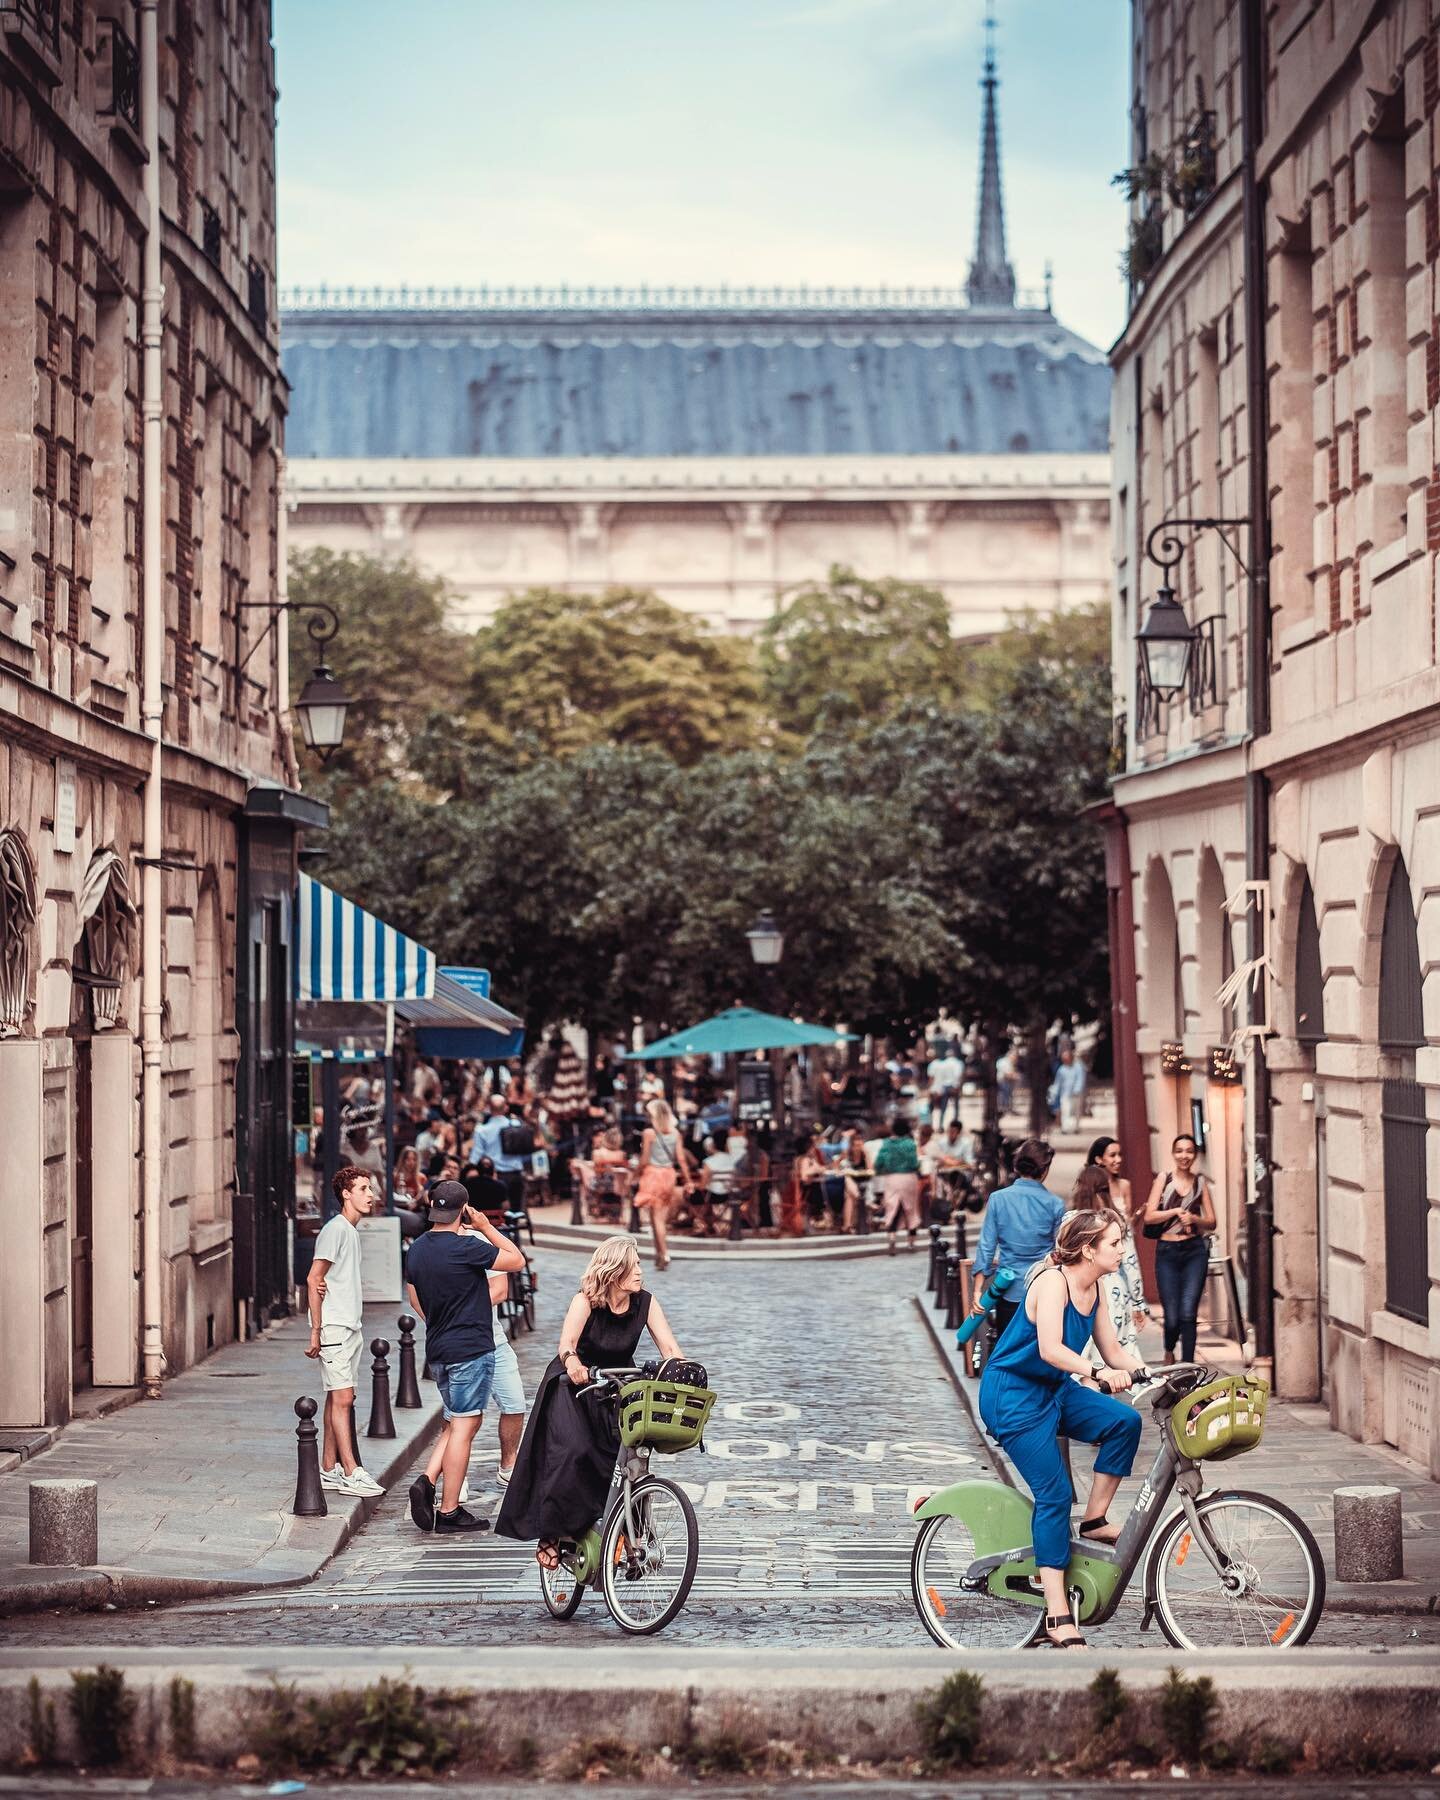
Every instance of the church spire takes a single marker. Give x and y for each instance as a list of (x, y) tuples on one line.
[(992, 280)]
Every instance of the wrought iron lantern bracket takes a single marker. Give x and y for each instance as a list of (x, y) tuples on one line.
[(1165, 549), (321, 621)]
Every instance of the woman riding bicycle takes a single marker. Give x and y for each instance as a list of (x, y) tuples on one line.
[(567, 1456), (1029, 1402)]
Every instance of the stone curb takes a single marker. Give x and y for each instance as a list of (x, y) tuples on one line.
[(301, 1549), (1403, 1599), (827, 1703)]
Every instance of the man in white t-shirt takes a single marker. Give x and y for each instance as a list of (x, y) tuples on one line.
[(946, 1073), (337, 1330)]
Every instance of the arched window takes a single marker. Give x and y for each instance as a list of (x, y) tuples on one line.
[(1402, 1106), (1164, 989), (1309, 972)]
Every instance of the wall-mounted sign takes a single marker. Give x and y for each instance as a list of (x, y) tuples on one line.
[(1225, 1066), (1173, 1060), (64, 806)]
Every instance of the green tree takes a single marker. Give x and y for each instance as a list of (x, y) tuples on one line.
[(554, 673), (853, 650), (394, 654)]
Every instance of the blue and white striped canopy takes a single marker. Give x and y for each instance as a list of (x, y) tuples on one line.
[(345, 953)]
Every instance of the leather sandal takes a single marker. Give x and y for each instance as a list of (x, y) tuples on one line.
[(1088, 1527), (1053, 1622)]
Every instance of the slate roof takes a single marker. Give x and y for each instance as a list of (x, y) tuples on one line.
[(689, 380)]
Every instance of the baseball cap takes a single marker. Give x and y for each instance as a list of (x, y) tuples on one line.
[(447, 1197)]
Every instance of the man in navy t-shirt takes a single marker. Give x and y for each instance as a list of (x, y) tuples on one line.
[(447, 1280)]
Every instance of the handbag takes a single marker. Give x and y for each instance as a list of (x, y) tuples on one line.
[(1156, 1228)]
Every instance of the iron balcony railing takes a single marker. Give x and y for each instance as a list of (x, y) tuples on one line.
[(124, 77), (639, 299)]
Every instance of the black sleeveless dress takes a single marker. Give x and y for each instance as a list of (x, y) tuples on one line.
[(567, 1457)]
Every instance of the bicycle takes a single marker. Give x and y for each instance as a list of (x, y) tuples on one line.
[(1230, 1568), (519, 1303), (644, 1552)]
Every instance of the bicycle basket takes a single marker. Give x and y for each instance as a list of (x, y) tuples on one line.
[(1222, 1419), (664, 1415)]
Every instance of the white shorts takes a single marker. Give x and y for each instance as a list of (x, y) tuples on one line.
[(506, 1389), (341, 1348)]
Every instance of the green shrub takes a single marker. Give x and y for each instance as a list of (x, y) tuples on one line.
[(102, 1712), (388, 1728), (42, 1732), (1186, 1708), (1270, 1758), (950, 1719), (182, 1719), (1109, 1702)]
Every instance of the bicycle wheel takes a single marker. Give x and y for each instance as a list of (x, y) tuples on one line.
[(1274, 1593), (646, 1583), (561, 1592), (961, 1618), (527, 1303)]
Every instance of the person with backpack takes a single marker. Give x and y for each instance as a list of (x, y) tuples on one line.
[(508, 1141)]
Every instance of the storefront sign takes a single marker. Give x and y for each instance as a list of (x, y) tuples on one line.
[(380, 1259), (1173, 1060), (1225, 1066)]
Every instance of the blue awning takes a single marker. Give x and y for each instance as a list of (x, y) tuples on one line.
[(345, 953)]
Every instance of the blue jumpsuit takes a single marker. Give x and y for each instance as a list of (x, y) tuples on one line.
[(1028, 1405)]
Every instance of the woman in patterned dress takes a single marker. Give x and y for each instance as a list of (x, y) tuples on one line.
[(1101, 1184)]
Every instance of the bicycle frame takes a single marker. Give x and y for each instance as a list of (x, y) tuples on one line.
[(999, 1522), (632, 1465)]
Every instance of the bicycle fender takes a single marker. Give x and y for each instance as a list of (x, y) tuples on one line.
[(998, 1517)]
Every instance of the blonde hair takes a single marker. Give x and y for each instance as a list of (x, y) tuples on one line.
[(1082, 1231), (661, 1116), (616, 1258)]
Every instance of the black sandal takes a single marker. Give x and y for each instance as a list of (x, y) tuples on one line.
[(1088, 1528), (1053, 1622)]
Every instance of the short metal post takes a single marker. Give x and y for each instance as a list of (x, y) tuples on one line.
[(735, 1206), (962, 1247), (577, 1214), (382, 1423), (407, 1390), (633, 1224), (309, 1495), (953, 1313), (941, 1298), (936, 1243)]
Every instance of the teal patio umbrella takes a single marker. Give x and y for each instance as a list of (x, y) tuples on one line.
[(734, 1031)]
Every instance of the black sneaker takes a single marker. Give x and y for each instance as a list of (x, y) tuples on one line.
[(422, 1502), (462, 1519)]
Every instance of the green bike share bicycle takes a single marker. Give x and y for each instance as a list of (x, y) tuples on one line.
[(1228, 1568), (643, 1553)]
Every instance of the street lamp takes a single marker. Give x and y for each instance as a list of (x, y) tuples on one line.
[(323, 702), (766, 940), (1167, 641)]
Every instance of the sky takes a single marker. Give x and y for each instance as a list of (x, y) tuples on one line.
[(694, 142)]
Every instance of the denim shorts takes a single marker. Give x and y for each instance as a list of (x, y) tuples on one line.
[(506, 1388), (465, 1386)]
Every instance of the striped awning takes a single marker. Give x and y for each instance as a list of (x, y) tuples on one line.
[(345, 953)]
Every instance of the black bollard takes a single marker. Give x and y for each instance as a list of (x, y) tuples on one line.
[(309, 1495), (735, 1211), (936, 1243), (953, 1314), (577, 1216), (407, 1391), (382, 1424), (962, 1249), (941, 1298), (633, 1227)]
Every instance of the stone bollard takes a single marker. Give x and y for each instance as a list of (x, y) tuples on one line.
[(382, 1422), (407, 1391), (309, 1495), (937, 1242), (954, 1313), (1369, 1534), (64, 1524)]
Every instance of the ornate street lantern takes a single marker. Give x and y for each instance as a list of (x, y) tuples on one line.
[(322, 706), (1167, 642), (766, 940)]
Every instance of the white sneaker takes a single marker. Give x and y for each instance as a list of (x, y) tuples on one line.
[(361, 1482), (502, 1475), (332, 1478)]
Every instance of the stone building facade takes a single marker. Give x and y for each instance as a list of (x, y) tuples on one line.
[(719, 446), (76, 758), (1340, 401)]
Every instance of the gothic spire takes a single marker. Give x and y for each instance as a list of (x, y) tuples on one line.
[(992, 280)]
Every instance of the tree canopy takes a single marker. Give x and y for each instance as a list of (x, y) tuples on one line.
[(594, 795)]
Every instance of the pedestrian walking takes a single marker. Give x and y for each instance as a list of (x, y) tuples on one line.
[(664, 1170), (945, 1075), (446, 1274), (897, 1172), (499, 1138), (1029, 1400), (1181, 1214), (567, 1456), (1123, 1292), (337, 1330), (1067, 1090), (1021, 1223)]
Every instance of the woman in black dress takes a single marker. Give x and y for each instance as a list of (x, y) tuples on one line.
[(561, 1479)]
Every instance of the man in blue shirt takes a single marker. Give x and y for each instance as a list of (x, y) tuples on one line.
[(486, 1142), (1021, 1224)]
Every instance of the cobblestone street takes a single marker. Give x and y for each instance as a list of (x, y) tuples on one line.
[(834, 1415)]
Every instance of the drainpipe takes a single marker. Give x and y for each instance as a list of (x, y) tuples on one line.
[(1260, 1211), (152, 704)]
